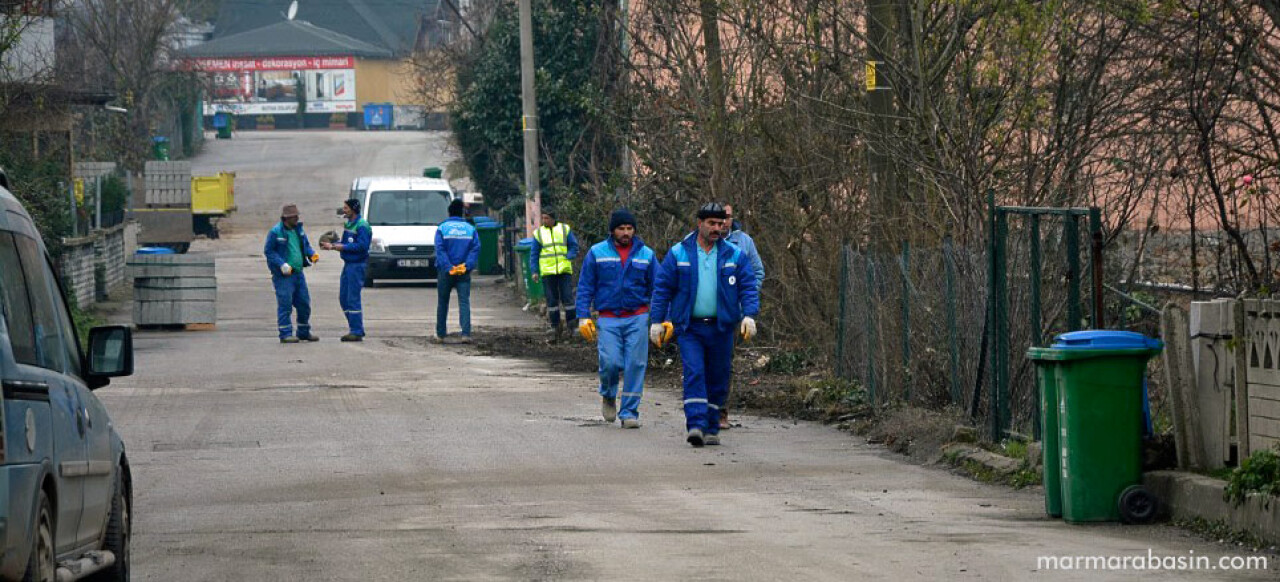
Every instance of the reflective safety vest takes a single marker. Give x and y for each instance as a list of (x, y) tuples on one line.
[(553, 258)]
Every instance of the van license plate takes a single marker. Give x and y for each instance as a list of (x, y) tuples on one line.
[(410, 263)]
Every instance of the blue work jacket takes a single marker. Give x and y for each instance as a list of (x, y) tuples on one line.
[(277, 248), (613, 286), (737, 296), (456, 243), (356, 238)]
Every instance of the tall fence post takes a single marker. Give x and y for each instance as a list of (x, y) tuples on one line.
[(871, 329), (842, 319), (949, 265), (1073, 272), (1036, 317), (1000, 369), (1095, 260), (905, 265)]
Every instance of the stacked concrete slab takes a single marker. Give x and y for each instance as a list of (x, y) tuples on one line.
[(174, 289)]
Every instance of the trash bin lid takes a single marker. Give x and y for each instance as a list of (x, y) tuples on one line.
[(154, 251), (524, 244), (1105, 339)]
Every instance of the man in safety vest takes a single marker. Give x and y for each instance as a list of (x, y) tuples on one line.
[(551, 261)]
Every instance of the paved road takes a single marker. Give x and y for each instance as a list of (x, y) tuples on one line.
[(397, 459)]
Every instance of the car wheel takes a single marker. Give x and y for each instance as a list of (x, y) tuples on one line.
[(41, 566), (119, 530)]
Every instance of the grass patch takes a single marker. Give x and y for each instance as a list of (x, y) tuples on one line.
[(789, 362), (84, 320), (1222, 533), (1259, 473)]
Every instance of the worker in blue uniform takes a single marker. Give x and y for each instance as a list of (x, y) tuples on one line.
[(354, 249), (457, 253), (617, 278), (288, 252), (705, 291)]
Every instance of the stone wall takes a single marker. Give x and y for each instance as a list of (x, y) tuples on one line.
[(108, 248)]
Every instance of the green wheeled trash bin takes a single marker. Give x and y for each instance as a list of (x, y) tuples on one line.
[(488, 232), (533, 289), (1098, 380)]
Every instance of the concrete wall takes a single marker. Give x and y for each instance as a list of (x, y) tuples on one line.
[(109, 247), (383, 81)]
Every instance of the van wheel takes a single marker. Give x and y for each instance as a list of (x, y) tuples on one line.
[(119, 530), (41, 566)]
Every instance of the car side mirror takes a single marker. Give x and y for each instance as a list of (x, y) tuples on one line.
[(110, 354)]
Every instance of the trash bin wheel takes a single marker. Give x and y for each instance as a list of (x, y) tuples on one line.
[(1137, 505)]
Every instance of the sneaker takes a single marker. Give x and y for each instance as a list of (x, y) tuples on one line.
[(309, 338), (711, 439), (609, 409), (351, 337), (630, 423), (695, 437), (289, 340)]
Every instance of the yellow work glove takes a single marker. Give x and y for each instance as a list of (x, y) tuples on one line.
[(458, 270), (315, 258), (660, 333), (587, 329), (747, 329)]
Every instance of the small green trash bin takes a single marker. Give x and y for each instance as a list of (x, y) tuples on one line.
[(533, 289), (1098, 380), (488, 232), (160, 148)]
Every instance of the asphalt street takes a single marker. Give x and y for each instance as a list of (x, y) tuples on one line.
[(399, 459)]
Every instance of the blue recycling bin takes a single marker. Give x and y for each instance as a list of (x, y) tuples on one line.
[(154, 251), (377, 115)]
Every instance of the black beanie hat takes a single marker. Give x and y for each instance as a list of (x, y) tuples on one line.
[(620, 217), (711, 210), (457, 207), (549, 211)]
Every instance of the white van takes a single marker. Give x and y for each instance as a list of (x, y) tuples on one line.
[(404, 213)]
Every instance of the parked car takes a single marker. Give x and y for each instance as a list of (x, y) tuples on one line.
[(62, 464), (404, 213)]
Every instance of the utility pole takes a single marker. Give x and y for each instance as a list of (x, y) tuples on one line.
[(883, 188), (529, 121)]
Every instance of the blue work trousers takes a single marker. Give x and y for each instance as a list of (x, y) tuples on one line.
[(706, 353), (349, 287), (446, 283), (624, 351), (292, 294)]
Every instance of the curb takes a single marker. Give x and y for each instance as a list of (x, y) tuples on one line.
[(1189, 496)]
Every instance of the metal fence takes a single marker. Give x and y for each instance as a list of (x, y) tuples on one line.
[(921, 325)]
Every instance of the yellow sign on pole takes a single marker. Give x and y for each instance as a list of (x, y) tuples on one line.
[(871, 75), (80, 191)]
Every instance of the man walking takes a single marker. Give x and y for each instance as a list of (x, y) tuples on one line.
[(704, 292), (288, 252), (551, 260), (354, 249), (734, 234), (617, 277), (457, 251)]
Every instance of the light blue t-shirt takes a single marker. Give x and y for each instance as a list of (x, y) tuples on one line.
[(704, 301)]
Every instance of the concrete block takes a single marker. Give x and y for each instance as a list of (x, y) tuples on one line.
[(174, 312), (1189, 496)]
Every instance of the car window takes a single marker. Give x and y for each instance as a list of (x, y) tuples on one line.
[(16, 305), (50, 349), (69, 339), (408, 207)]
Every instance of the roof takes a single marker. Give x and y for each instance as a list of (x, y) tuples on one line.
[(287, 38), (390, 24)]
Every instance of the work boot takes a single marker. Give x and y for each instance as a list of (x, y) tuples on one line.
[(724, 419), (351, 337), (695, 437), (553, 335), (464, 339), (609, 409), (630, 423), (309, 338), (711, 439), (289, 340)]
